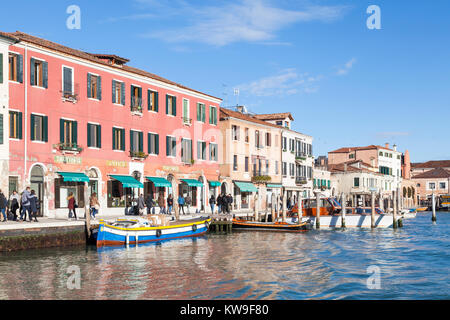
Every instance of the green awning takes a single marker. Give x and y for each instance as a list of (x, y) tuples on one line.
[(74, 176), (192, 182), (159, 182), (246, 186), (214, 183), (273, 185), (128, 181)]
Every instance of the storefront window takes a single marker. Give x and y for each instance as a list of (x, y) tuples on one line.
[(63, 189), (118, 195), (186, 190), (245, 200)]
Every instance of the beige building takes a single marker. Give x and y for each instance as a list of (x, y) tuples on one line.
[(251, 159)]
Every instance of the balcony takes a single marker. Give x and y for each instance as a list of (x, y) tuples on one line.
[(69, 97), (138, 155), (68, 147), (300, 181), (136, 106), (187, 121)]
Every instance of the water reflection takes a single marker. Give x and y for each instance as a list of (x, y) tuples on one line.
[(245, 265)]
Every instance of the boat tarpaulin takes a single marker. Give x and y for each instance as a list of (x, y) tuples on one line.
[(160, 182), (128, 181), (246, 186), (74, 176)]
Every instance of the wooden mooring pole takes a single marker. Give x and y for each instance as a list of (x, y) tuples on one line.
[(394, 206), (372, 200), (344, 208), (318, 209), (433, 207)]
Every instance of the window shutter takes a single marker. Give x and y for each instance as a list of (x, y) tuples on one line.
[(167, 104), (113, 91), (157, 143), (45, 121), (149, 100), (174, 106), (149, 143), (167, 145), (131, 96), (122, 133), (114, 138), (140, 97), (74, 132), (203, 113), (99, 136), (210, 115), (20, 125), (61, 130), (89, 135), (156, 101), (99, 89), (141, 141), (89, 86), (45, 74), (32, 136), (199, 118), (32, 72), (198, 149), (123, 94), (20, 68), (131, 140), (1, 74)]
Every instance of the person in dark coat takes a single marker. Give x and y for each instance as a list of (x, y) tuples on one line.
[(219, 203), (149, 203), (169, 204), (14, 200), (212, 202), (3, 206), (34, 204), (229, 200)]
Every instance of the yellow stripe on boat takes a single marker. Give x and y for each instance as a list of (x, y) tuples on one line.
[(155, 228)]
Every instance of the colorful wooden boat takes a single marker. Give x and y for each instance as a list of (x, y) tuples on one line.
[(124, 231), (269, 226), (422, 209)]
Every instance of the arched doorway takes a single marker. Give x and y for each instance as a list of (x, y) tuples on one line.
[(37, 184), (93, 182), (223, 188)]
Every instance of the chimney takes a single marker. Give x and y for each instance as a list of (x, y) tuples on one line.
[(395, 147), (386, 145)]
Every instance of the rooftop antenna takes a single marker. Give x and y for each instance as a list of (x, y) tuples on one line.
[(236, 93), (225, 94)]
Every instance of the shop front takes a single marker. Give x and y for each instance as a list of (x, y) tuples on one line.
[(193, 189), (68, 184), (122, 191), (243, 193)]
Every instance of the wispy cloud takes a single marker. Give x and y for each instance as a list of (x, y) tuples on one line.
[(255, 21), (286, 82), (346, 68)]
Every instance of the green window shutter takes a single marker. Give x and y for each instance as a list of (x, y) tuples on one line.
[(1, 75), (20, 125), (131, 96), (32, 136), (99, 89), (167, 145), (89, 86), (149, 143), (174, 106), (45, 74), (32, 72), (210, 115), (99, 136), (141, 141), (89, 135), (203, 113), (131, 140), (149, 100), (198, 149), (1, 129), (167, 104), (114, 138), (45, 121), (157, 143), (156, 101), (61, 130), (20, 68), (74, 132), (140, 98), (113, 91), (123, 93), (122, 132)]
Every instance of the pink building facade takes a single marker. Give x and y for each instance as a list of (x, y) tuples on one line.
[(74, 114)]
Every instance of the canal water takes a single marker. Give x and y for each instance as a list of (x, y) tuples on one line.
[(411, 263)]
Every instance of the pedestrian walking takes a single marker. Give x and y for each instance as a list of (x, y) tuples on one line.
[(34, 206), (229, 200), (169, 204), (141, 204), (219, 203), (94, 205), (14, 201), (212, 203), (25, 200), (161, 204), (71, 206), (149, 204), (3, 206), (181, 203), (188, 202)]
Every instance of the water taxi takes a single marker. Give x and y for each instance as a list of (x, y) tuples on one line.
[(134, 230)]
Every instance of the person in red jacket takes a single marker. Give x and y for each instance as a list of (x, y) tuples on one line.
[(71, 205)]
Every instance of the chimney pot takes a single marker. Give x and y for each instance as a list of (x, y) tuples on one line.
[(387, 145)]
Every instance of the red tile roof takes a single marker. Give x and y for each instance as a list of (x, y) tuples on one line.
[(224, 113), (91, 57), (438, 173), (341, 168), (275, 116), (350, 149), (432, 164)]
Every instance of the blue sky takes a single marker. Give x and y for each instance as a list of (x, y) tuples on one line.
[(345, 85)]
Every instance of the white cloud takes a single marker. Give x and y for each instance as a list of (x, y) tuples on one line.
[(346, 68), (246, 21)]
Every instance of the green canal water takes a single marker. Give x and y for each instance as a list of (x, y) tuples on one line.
[(411, 263)]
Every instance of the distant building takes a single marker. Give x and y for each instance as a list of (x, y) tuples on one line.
[(431, 177)]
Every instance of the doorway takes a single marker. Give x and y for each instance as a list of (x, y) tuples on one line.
[(37, 184)]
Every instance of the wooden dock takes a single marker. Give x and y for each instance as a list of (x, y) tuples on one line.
[(221, 223)]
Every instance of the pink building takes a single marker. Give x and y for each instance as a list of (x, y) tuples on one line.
[(76, 116)]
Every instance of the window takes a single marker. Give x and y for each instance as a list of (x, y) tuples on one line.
[(118, 92), (284, 169), (246, 164), (39, 128), (186, 151), (213, 152), (118, 139), (94, 86), (94, 135), (39, 73), (284, 144), (153, 143), (381, 153), (67, 82), (153, 100), (235, 163), (442, 185), (292, 169), (247, 137), (213, 115), (351, 156), (186, 111), (68, 133), (390, 155), (286, 124), (171, 146), (15, 125), (201, 112), (171, 105), (292, 145), (431, 185), (136, 141), (356, 182), (257, 139), (276, 168), (267, 167), (136, 98), (268, 139), (235, 133), (16, 67), (201, 150), (279, 123)]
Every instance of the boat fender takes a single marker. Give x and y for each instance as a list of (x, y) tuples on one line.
[(207, 225), (194, 227), (158, 233)]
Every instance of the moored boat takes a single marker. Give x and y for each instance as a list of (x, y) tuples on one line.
[(269, 226), (124, 231)]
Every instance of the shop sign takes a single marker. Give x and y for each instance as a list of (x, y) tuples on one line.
[(67, 160)]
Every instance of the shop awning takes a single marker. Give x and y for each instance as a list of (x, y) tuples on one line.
[(74, 176), (128, 181), (192, 182), (214, 183), (159, 182), (246, 186), (272, 186)]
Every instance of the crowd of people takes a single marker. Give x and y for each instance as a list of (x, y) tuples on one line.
[(27, 203)]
